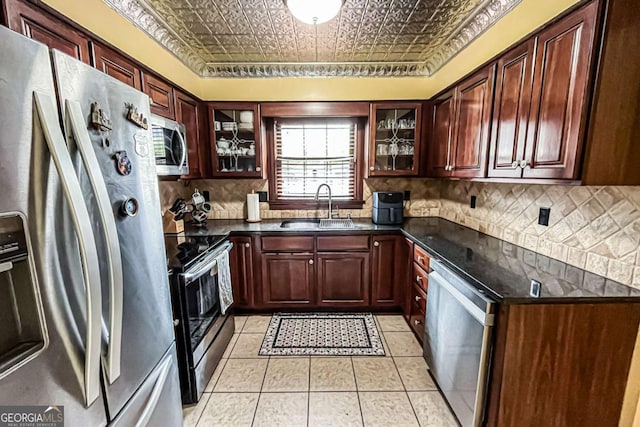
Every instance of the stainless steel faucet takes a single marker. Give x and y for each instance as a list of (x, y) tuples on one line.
[(316, 197)]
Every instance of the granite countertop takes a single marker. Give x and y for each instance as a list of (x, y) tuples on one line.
[(501, 269)]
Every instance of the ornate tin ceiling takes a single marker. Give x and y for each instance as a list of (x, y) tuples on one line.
[(260, 38)]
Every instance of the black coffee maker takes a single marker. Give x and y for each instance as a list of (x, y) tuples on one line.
[(388, 207)]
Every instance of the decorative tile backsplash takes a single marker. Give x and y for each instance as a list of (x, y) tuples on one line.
[(594, 228)]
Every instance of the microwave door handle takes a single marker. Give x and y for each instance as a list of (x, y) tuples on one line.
[(48, 118), (183, 161), (114, 260)]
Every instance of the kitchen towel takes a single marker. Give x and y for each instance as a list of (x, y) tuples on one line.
[(224, 281)]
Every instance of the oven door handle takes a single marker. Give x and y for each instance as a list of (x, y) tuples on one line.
[(183, 161), (190, 276)]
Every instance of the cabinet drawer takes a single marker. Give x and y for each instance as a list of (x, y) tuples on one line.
[(419, 298), (421, 257), (343, 243), (420, 277), (287, 244)]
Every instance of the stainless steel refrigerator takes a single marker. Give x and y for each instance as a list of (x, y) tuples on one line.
[(85, 318)]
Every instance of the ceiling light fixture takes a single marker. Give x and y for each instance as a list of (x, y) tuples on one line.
[(314, 11)]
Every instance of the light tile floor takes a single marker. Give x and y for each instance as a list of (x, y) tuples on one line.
[(251, 390)]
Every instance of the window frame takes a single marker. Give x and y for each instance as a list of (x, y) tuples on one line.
[(277, 203)]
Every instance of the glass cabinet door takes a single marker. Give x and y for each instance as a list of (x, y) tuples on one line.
[(235, 140), (395, 139)]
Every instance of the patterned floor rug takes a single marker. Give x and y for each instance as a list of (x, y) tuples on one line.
[(322, 334)]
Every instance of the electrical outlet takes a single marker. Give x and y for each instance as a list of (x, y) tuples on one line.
[(407, 195), (535, 289), (472, 202), (543, 217), (262, 196)]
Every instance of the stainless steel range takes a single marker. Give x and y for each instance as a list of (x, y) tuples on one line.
[(203, 331)]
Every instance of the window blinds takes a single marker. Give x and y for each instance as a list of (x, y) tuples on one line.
[(313, 152)]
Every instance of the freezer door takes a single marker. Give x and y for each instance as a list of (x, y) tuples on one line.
[(61, 267), (145, 331), (157, 402)]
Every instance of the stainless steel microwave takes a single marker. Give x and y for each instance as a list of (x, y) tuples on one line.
[(169, 146)]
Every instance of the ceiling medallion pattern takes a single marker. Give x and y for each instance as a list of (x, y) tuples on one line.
[(260, 38)]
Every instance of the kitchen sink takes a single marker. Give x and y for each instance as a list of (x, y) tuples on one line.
[(301, 224), (306, 224)]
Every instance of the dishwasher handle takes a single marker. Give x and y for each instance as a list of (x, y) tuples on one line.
[(485, 317)]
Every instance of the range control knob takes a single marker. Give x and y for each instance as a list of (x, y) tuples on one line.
[(129, 207)]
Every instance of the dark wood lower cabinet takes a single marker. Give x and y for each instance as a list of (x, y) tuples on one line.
[(561, 364), (288, 279), (343, 279), (386, 272), (241, 260)]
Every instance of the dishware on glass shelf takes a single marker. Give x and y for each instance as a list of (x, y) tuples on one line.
[(222, 143), (250, 168), (245, 151), (246, 117), (402, 124), (393, 149), (224, 167), (404, 150), (411, 150), (382, 150), (228, 126), (245, 126), (381, 124), (252, 149), (217, 126), (391, 124)]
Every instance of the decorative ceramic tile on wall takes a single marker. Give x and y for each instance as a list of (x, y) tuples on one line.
[(593, 228)]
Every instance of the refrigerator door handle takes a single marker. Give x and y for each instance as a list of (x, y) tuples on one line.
[(183, 161), (154, 397), (48, 118), (114, 260)]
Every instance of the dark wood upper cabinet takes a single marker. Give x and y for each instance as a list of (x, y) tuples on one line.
[(395, 139), (241, 259), (560, 97), (511, 111), (117, 66), (161, 95), (439, 153), (343, 278), (460, 128), (288, 279), (473, 120), (39, 25), (384, 267), (188, 112)]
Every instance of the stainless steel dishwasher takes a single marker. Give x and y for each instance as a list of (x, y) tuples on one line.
[(457, 343)]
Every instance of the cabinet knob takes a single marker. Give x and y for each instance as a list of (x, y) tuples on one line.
[(524, 164), (416, 322), (420, 258), (515, 164), (371, 168), (418, 279), (311, 261), (246, 245), (376, 244), (176, 322), (258, 169), (418, 298)]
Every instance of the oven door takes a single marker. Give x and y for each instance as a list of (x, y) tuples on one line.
[(202, 312), (169, 147)]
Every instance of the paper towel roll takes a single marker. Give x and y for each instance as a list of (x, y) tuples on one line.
[(253, 208)]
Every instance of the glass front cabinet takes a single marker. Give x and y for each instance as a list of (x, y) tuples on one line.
[(394, 147), (235, 140)]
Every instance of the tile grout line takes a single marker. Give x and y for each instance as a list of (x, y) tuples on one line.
[(255, 412), (406, 393), (309, 394), (355, 380), (203, 409)]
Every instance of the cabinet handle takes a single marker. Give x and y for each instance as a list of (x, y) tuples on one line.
[(246, 245), (418, 279), (311, 261), (515, 164), (418, 298), (420, 259), (376, 244), (258, 169), (524, 164), (417, 322), (371, 168)]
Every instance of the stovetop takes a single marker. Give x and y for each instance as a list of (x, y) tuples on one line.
[(183, 250)]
